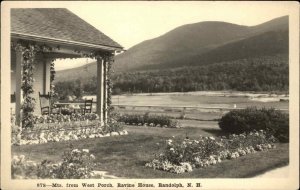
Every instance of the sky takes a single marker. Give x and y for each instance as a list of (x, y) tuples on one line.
[(130, 23)]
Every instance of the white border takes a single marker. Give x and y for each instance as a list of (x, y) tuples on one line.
[(290, 182)]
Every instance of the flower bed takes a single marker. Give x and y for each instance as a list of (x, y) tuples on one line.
[(58, 118), (184, 156), (75, 164), (148, 120), (55, 128)]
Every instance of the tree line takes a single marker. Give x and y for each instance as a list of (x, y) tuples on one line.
[(269, 73)]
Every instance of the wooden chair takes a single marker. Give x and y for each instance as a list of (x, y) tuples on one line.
[(88, 105), (13, 98), (45, 103)]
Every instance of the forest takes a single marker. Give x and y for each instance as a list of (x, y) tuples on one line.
[(266, 73)]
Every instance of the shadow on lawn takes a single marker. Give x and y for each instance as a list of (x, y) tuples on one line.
[(216, 132)]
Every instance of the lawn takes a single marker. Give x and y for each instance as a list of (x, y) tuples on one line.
[(125, 156)]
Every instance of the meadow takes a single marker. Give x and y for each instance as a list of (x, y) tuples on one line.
[(203, 106)]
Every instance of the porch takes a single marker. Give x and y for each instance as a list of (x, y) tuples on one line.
[(37, 40)]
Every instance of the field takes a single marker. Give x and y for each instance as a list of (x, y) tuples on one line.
[(208, 99), (204, 106)]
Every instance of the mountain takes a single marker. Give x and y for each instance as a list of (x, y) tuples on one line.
[(185, 42), (194, 45), (265, 44), (82, 73)]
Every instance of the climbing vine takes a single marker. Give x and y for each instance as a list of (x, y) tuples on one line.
[(109, 84), (28, 51), (53, 95), (108, 71)]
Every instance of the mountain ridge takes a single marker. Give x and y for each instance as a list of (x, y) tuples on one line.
[(188, 50)]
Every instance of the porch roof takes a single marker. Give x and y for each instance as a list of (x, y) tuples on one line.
[(58, 25)]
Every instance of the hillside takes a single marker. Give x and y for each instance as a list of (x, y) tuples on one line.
[(186, 44), (82, 73), (184, 41), (264, 73), (200, 46), (188, 41)]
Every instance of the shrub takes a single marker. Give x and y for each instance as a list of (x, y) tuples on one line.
[(152, 120), (22, 169), (113, 126), (15, 130), (180, 156), (76, 164), (273, 121)]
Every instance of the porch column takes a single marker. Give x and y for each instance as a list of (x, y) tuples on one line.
[(19, 93), (100, 88), (46, 71), (105, 91)]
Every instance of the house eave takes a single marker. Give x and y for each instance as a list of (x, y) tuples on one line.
[(63, 42)]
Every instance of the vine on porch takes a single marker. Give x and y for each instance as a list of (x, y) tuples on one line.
[(108, 59), (28, 51), (109, 84), (53, 95)]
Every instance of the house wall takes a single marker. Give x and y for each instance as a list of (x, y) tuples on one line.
[(42, 80), (41, 76)]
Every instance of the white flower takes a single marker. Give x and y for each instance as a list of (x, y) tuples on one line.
[(169, 142), (85, 150), (187, 166), (92, 157), (197, 159), (15, 159), (212, 138), (75, 151)]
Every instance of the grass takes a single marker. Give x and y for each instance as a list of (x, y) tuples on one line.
[(125, 156)]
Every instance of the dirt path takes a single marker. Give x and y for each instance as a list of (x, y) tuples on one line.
[(105, 175), (276, 173)]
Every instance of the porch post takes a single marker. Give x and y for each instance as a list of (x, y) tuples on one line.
[(105, 92), (46, 71), (19, 93), (100, 88)]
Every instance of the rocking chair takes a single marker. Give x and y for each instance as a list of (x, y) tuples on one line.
[(45, 103)]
